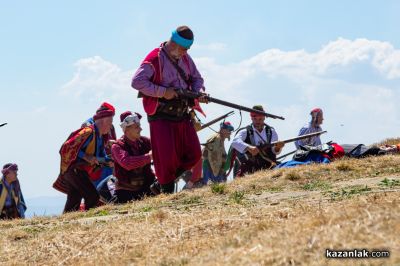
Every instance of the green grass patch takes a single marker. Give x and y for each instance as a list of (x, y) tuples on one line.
[(346, 193), (218, 188), (389, 183), (146, 209), (316, 185), (191, 200), (96, 213), (237, 197), (33, 229)]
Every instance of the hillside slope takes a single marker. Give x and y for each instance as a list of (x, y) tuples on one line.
[(281, 217)]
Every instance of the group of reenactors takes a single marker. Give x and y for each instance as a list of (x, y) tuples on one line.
[(98, 168)]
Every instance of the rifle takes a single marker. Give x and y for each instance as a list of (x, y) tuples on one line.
[(285, 155), (216, 120), (263, 148), (195, 95), (3, 124), (299, 137)]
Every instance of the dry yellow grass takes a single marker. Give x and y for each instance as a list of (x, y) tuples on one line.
[(280, 217)]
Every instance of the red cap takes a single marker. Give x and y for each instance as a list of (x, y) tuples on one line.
[(104, 110), (316, 110)]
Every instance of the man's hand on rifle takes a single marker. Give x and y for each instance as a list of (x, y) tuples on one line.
[(110, 143), (278, 147), (253, 150), (170, 93), (204, 98)]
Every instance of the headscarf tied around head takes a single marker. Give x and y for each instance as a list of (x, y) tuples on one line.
[(9, 167), (178, 39), (128, 118)]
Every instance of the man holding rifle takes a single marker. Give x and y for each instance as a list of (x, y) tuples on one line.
[(248, 141), (174, 141), (170, 85)]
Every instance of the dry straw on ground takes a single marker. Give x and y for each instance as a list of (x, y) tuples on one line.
[(280, 217)]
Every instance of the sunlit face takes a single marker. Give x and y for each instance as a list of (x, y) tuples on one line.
[(258, 121), (176, 51), (225, 133), (319, 119), (12, 176), (104, 124), (132, 132)]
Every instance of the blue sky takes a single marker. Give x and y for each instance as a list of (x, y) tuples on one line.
[(59, 61)]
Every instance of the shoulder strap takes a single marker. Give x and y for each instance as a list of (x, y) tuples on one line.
[(181, 72), (268, 133), (250, 135)]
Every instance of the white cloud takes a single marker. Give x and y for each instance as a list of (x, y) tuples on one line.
[(340, 53), (97, 78)]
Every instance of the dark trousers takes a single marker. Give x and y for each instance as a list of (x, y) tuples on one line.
[(250, 167), (124, 196), (9, 213), (80, 187)]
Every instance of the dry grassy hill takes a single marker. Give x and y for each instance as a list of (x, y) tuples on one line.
[(280, 217)]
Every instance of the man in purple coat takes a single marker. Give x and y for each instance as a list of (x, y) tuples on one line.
[(174, 141)]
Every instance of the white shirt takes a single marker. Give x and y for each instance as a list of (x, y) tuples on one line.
[(239, 144)]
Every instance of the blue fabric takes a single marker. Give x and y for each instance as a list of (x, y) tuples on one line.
[(100, 149), (99, 153), (105, 172), (21, 205), (312, 158), (9, 187), (176, 38), (102, 188), (208, 175)]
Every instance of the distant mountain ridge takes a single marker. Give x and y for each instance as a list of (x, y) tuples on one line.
[(45, 206)]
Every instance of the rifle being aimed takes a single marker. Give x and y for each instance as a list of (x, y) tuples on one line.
[(3, 124), (195, 95), (263, 148)]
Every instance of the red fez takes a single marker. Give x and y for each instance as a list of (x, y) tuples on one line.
[(104, 110)]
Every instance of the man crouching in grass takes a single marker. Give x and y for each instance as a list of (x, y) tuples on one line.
[(132, 157)]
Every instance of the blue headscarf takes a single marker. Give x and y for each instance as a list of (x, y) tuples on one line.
[(176, 38)]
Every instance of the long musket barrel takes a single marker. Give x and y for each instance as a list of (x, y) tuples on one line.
[(216, 120), (285, 155), (195, 95), (300, 137), (3, 124), (243, 108)]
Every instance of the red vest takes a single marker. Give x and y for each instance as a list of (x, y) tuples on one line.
[(135, 179), (150, 104)]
